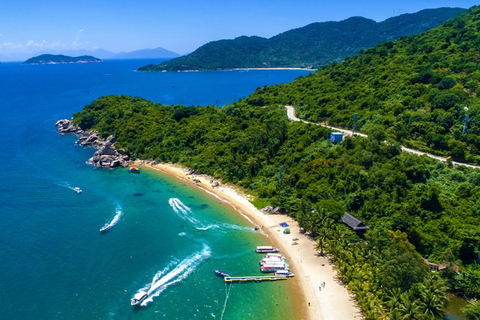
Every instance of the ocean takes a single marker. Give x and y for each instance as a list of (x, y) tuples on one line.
[(164, 237)]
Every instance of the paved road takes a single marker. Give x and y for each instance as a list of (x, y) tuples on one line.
[(291, 115)]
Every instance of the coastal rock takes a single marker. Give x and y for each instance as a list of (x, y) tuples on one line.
[(267, 209), (67, 126), (215, 184), (106, 156)]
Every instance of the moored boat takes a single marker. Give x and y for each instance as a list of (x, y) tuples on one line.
[(261, 249), (221, 273), (285, 273), (272, 269), (134, 170), (138, 298)]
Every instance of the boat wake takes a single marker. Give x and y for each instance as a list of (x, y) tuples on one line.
[(115, 219), (68, 186), (186, 214), (168, 276)]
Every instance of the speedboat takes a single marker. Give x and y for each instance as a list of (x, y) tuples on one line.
[(285, 273), (221, 273), (77, 190), (104, 228), (138, 298)]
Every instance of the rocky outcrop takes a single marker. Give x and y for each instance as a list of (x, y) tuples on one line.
[(107, 156), (67, 126)]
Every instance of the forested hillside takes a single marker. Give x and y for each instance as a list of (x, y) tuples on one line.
[(314, 45), (413, 206), (419, 90)]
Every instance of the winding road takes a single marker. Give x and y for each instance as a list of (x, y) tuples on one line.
[(291, 116)]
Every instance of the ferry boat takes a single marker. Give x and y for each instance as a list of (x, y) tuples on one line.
[(273, 255), (221, 273), (273, 262), (134, 170), (138, 298), (261, 249), (273, 259), (272, 269), (285, 273), (77, 190)]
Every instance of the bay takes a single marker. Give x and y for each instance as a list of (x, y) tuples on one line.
[(55, 264)]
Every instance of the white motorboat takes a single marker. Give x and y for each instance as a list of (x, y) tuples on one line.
[(284, 273), (138, 298), (77, 190)]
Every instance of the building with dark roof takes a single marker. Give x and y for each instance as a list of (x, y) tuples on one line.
[(353, 222)]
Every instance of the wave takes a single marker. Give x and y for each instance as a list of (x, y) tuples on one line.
[(168, 276), (115, 219)]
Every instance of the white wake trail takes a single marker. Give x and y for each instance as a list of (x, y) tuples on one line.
[(184, 212), (166, 277), (115, 219)]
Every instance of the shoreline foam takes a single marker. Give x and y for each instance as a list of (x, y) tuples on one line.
[(332, 302)]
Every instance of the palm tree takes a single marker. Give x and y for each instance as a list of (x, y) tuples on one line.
[(409, 308), (433, 297)]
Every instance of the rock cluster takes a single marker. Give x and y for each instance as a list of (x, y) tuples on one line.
[(67, 126), (271, 210), (106, 156)]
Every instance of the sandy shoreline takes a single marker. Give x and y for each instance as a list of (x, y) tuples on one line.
[(330, 303)]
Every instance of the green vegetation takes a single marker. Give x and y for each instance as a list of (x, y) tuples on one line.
[(314, 45), (60, 59), (416, 90), (413, 206)]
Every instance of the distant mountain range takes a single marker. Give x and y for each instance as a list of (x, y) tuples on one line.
[(60, 59), (100, 53), (314, 45)]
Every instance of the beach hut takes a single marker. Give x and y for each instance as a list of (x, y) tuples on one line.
[(353, 222)]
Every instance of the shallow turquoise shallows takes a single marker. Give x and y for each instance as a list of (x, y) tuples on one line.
[(164, 237)]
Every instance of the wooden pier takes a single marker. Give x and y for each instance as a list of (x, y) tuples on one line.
[(254, 278)]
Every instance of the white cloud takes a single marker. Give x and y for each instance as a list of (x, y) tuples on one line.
[(11, 45), (1, 35)]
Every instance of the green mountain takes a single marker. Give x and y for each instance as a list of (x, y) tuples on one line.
[(314, 45), (60, 59), (420, 90)]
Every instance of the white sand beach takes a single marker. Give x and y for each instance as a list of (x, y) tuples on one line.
[(333, 301)]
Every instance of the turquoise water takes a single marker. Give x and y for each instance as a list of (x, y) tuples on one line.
[(168, 238)]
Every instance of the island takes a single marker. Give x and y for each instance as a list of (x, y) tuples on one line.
[(60, 59)]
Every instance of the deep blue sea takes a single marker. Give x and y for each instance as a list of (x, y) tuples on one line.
[(165, 237)]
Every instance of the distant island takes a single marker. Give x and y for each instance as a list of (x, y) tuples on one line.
[(312, 46), (60, 59)]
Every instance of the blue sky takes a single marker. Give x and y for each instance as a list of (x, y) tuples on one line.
[(177, 25)]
